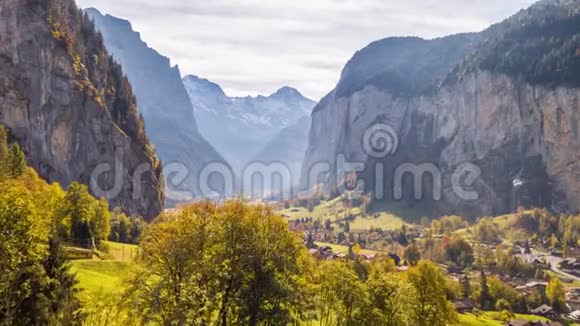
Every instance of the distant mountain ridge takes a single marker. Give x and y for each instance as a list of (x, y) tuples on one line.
[(162, 100), (242, 127)]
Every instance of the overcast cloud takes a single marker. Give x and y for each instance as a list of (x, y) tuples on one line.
[(254, 47)]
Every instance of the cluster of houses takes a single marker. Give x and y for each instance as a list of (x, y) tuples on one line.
[(570, 266), (531, 288), (327, 253), (524, 322)]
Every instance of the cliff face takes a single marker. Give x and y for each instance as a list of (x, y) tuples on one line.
[(162, 100), (518, 125), (68, 105)]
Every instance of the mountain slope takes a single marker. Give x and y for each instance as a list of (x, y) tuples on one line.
[(505, 100), (288, 147), (242, 127), (69, 106), (162, 100)]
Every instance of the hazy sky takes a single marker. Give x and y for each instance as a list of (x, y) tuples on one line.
[(254, 47)]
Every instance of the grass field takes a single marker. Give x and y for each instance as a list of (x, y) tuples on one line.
[(344, 249), (326, 210), (122, 251), (491, 319), (99, 276), (389, 216), (385, 221), (506, 225), (104, 276)]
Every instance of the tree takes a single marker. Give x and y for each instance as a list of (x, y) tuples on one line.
[(3, 153), (429, 303), (486, 231), (402, 238), (16, 161), (554, 241), (327, 224), (389, 299), (459, 252), (343, 297), (88, 218), (101, 222), (556, 294), (484, 296), (465, 286), (310, 241), (209, 264), (412, 254), (503, 305), (79, 211), (35, 284), (448, 224), (356, 249)]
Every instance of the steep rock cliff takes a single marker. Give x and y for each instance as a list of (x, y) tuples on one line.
[(505, 100), (69, 106)]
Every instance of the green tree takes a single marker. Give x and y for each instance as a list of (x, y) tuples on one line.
[(485, 300), (35, 284), (556, 294), (101, 222), (3, 153), (389, 298), (430, 306), (16, 161), (412, 254), (503, 304), (342, 296), (209, 264), (465, 286), (459, 252), (89, 219)]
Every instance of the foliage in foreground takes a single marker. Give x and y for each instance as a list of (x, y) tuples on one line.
[(239, 264)]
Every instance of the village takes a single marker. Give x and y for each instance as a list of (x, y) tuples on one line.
[(491, 248)]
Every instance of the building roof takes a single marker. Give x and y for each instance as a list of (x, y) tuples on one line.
[(520, 322), (542, 310), (463, 304)]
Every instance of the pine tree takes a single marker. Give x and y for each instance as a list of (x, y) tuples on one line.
[(16, 161), (346, 227), (3, 153), (310, 241), (485, 298), (465, 286), (63, 295)]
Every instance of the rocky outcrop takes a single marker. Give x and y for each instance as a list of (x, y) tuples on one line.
[(517, 126), (66, 102), (164, 104)]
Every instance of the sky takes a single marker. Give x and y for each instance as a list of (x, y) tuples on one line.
[(252, 47)]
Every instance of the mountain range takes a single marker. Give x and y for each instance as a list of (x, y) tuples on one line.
[(244, 128)]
